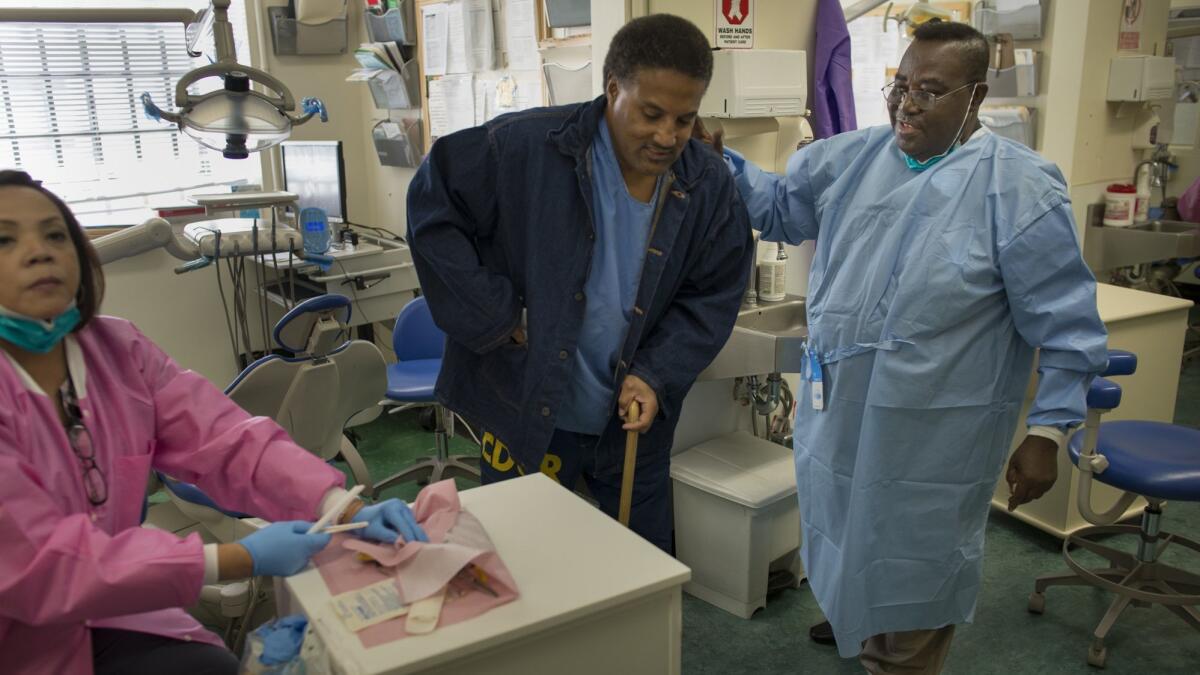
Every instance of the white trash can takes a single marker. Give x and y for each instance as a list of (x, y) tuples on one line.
[(736, 519)]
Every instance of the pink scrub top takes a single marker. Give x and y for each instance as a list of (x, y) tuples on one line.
[(67, 566)]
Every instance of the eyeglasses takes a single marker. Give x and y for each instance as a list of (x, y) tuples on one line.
[(894, 94), (83, 447)]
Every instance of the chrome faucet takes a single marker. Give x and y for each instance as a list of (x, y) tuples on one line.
[(1158, 167)]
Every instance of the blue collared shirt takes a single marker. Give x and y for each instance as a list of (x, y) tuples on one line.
[(622, 226)]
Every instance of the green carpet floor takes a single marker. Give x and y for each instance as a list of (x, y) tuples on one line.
[(1005, 639)]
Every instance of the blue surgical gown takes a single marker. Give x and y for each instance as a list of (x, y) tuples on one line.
[(928, 296)]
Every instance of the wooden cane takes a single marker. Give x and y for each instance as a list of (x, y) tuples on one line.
[(631, 441)]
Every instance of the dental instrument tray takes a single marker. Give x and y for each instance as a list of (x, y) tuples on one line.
[(229, 237), (226, 201), (377, 274)]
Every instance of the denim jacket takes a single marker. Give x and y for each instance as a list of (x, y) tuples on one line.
[(500, 225)]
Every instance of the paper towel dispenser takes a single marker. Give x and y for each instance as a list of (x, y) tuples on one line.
[(1141, 78), (757, 83)]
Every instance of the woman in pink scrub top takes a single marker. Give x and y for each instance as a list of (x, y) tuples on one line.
[(88, 407)]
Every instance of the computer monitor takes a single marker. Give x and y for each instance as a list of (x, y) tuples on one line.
[(316, 173)]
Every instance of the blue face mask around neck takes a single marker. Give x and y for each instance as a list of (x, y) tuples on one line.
[(918, 166), (37, 335)]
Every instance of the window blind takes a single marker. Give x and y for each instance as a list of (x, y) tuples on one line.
[(71, 116)]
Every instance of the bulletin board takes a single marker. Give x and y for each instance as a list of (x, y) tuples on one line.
[(514, 81)]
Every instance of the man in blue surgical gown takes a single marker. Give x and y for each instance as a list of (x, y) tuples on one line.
[(945, 257)]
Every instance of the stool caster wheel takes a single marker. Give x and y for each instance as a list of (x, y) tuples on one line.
[(1037, 603), (1097, 657)]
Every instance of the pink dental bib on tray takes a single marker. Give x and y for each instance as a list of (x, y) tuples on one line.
[(456, 539)]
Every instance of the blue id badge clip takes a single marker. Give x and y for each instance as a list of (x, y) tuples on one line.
[(816, 379)]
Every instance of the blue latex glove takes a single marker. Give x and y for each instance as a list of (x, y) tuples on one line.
[(283, 549), (388, 521), (282, 639)]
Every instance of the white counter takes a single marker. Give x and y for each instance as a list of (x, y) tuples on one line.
[(595, 598), (1153, 327)]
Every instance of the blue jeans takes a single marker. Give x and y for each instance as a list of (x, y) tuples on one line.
[(571, 456)]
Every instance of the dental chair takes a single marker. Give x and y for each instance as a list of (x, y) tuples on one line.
[(1154, 460), (330, 383), (419, 345)]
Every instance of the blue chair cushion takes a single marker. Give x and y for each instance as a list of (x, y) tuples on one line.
[(1120, 363), (1154, 459), (294, 338), (190, 493), (1103, 394), (413, 381), (416, 336)]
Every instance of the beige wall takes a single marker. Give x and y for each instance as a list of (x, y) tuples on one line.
[(374, 193), (1103, 150), (180, 313), (779, 24), (1090, 139)]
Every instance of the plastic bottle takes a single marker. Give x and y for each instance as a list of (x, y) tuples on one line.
[(1119, 205), (772, 280), (1141, 211)]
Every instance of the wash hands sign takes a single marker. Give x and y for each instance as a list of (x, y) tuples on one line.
[(735, 24), (1130, 36)]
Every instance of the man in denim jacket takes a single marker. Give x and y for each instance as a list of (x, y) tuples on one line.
[(580, 258)]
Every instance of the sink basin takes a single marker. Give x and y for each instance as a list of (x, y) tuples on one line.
[(1105, 248), (1168, 226), (767, 338), (784, 319)]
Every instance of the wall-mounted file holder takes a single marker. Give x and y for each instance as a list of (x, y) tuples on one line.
[(292, 38), (1023, 23), (398, 143), (390, 89), (1017, 81), (565, 84), (1016, 122), (395, 25), (564, 13)]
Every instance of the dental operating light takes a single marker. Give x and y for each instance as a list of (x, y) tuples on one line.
[(234, 119)]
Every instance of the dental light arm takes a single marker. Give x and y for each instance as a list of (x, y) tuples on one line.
[(200, 243), (152, 234)]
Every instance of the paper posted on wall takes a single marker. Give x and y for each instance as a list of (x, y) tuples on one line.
[(435, 33), (521, 35), (451, 104)]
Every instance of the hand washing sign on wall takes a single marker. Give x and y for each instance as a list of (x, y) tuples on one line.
[(735, 24), (1130, 36)]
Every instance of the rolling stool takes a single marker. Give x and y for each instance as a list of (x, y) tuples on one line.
[(1154, 460), (419, 345)]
